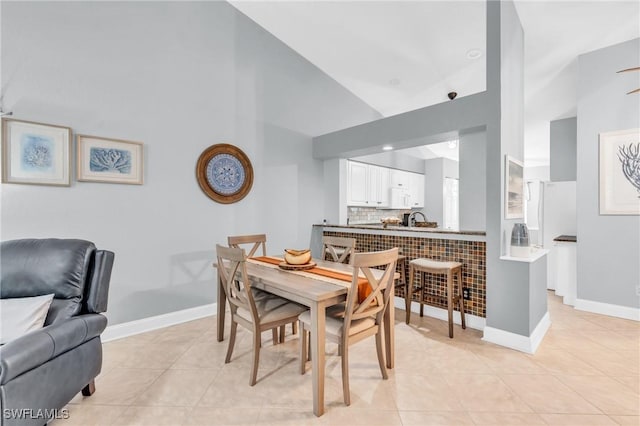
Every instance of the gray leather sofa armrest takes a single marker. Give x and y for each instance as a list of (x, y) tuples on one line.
[(36, 348), (98, 284)]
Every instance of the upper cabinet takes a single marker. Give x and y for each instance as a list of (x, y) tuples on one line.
[(400, 179), (378, 186), (381, 187), (367, 185), (357, 184)]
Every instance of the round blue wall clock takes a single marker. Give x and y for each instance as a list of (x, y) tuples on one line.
[(224, 173)]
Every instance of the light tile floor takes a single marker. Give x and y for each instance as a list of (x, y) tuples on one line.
[(586, 372)]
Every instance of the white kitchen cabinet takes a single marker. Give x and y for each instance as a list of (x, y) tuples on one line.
[(565, 271), (399, 179), (416, 190), (378, 186), (357, 184)]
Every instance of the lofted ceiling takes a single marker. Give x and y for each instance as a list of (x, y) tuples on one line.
[(398, 56)]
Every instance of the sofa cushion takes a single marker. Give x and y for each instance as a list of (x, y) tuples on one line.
[(33, 267), (19, 316)]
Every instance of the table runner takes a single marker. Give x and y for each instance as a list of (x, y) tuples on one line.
[(322, 273)]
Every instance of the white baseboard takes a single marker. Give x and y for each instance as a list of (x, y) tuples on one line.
[(618, 311), (118, 331), (472, 321), (516, 341)]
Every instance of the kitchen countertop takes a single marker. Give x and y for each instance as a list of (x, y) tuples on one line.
[(566, 239), (395, 228)]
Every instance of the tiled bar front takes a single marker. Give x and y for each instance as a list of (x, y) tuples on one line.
[(472, 255)]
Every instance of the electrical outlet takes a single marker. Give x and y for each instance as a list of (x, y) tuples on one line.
[(466, 293)]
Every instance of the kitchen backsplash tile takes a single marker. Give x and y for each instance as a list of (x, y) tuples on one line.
[(359, 215)]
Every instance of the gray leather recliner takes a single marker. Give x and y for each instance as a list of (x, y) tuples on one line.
[(42, 371)]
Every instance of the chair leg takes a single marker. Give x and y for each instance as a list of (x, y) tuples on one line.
[(256, 356), (232, 340), (450, 301), (345, 374), (274, 335), (461, 298), (282, 333), (303, 349), (423, 276), (89, 389), (294, 328), (408, 295), (380, 350)]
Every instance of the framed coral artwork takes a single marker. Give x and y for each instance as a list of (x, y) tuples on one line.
[(35, 153), (620, 172), (109, 160)]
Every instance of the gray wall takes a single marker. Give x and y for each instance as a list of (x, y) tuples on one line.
[(563, 146), (608, 246), (472, 154), (510, 304), (178, 77)]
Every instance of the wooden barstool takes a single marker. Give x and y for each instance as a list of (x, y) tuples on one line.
[(401, 267), (450, 269)]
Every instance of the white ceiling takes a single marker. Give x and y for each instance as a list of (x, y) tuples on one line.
[(398, 56)]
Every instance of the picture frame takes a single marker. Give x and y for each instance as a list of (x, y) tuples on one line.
[(513, 189), (109, 160), (224, 173), (35, 153), (619, 172)]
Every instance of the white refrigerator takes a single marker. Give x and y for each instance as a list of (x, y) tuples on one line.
[(551, 212)]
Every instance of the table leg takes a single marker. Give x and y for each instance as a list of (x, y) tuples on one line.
[(317, 356), (389, 328), (222, 302)]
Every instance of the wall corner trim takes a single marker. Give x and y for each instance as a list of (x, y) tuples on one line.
[(618, 311), (472, 321), (516, 341), (131, 328)]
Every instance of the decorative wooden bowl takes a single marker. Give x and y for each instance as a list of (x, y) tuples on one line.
[(288, 267)]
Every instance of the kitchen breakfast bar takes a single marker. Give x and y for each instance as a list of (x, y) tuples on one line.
[(466, 247)]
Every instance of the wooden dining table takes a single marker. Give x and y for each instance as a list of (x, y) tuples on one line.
[(317, 294)]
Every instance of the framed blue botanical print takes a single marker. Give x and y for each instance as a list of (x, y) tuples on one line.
[(109, 160), (224, 173), (35, 153)]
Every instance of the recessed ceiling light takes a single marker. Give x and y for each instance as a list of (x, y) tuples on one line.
[(474, 53), (452, 144), (394, 82), (387, 148)]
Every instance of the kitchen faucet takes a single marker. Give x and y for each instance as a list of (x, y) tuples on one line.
[(412, 218)]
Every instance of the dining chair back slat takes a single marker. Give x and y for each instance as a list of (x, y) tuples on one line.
[(339, 249), (375, 303), (233, 274), (258, 240)]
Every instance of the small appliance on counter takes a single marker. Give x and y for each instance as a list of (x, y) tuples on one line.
[(405, 219), (520, 240)]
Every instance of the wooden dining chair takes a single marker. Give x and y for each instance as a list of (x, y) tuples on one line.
[(339, 249), (255, 310), (259, 240), (355, 321)]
